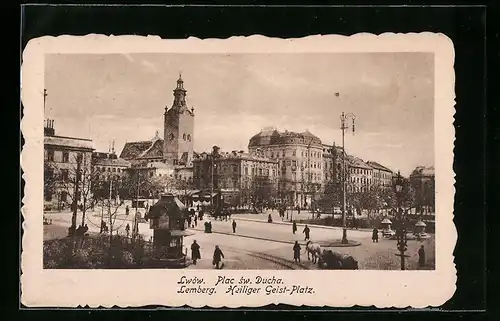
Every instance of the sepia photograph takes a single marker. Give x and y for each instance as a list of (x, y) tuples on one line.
[(239, 161), (238, 172)]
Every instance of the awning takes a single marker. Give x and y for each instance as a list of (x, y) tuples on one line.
[(386, 221), (420, 224)]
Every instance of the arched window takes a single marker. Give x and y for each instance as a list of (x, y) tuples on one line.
[(189, 137), (184, 136)]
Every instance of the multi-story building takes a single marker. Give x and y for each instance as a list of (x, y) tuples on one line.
[(242, 178), (422, 180), (332, 167), (382, 176), (64, 157), (108, 165), (300, 163), (360, 175), (176, 148)]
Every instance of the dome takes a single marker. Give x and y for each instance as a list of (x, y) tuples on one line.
[(263, 138)]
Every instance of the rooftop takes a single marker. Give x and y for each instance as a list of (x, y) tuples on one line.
[(69, 142), (423, 171), (112, 162), (378, 166), (357, 162), (138, 149), (271, 136)]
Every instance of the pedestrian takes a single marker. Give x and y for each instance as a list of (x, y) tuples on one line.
[(294, 226), (195, 252), (421, 257), (127, 229), (234, 226), (195, 220), (296, 252), (189, 221), (375, 235), (218, 256), (306, 232), (269, 219), (298, 209)]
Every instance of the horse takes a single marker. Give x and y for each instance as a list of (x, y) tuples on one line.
[(315, 250), (336, 261)]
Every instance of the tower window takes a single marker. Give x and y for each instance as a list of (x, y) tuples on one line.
[(189, 138), (184, 136)]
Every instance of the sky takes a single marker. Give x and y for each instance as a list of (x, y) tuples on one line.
[(122, 97)]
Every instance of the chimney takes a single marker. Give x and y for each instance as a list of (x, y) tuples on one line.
[(48, 129)]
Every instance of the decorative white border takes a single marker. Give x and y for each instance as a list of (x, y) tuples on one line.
[(106, 288)]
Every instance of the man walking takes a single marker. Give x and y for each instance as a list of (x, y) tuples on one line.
[(296, 252), (234, 226), (306, 232), (195, 252), (127, 229), (421, 257), (375, 235), (218, 256), (294, 227)]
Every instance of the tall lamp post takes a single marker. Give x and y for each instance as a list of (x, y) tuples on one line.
[(401, 237), (343, 126)]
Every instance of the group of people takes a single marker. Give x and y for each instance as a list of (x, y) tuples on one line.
[(216, 259), (420, 252)]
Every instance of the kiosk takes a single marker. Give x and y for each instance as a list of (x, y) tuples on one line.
[(167, 220)]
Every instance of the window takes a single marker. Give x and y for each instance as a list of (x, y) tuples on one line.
[(114, 170), (283, 153), (294, 152), (184, 136), (272, 154), (50, 155), (64, 175), (65, 157), (189, 138)]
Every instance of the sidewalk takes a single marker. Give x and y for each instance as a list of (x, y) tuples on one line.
[(262, 218)]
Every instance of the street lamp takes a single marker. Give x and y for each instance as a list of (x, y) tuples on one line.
[(401, 237), (343, 126)]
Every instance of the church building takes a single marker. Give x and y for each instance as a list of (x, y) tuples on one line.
[(175, 150)]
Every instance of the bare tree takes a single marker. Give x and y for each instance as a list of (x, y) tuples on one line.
[(76, 179)]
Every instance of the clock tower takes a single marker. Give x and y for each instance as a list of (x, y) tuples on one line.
[(178, 129)]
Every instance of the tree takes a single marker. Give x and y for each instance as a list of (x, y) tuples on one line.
[(49, 181), (77, 180), (332, 196), (261, 190)]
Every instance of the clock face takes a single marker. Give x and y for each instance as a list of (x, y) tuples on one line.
[(171, 137)]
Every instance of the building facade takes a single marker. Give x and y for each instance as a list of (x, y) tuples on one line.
[(64, 157), (175, 150), (242, 178), (360, 175), (300, 161), (108, 165), (422, 180), (382, 176)]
